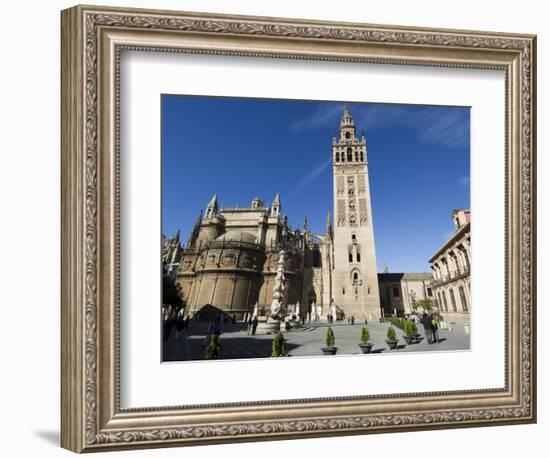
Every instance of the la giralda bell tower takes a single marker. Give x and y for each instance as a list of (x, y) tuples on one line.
[(354, 278)]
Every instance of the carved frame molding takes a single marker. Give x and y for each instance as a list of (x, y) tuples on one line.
[(92, 39)]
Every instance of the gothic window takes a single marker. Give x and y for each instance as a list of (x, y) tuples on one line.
[(352, 205), (337, 157), (358, 257), (355, 277), (361, 156), (353, 238), (348, 135), (356, 156), (351, 191), (352, 220), (343, 157), (350, 181), (350, 257), (350, 158)]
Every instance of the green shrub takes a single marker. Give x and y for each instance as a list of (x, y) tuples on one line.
[(365, 335), (278, 348), (330, 338), (414, 328), (213, 349), (391, 334)]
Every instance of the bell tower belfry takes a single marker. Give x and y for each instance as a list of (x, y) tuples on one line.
[(354, 277)]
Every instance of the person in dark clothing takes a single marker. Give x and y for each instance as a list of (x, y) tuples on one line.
[(254, 325), (427, 324), (435, 326)]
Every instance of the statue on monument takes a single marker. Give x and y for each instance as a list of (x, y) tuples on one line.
[(278, 288)]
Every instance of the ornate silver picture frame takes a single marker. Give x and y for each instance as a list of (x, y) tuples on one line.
[(93, 39)]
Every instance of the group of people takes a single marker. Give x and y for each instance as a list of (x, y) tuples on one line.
[(430, 323), (172, 316)]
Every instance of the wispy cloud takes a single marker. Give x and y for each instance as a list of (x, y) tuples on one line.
[(323, 116), (447, 126), (464, 181), (310, 177)]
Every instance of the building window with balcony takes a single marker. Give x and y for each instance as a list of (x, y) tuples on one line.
[(463, 299), (453, 301), (445, 306)]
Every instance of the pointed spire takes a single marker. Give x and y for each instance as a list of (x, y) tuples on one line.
[(306, 228), (177, 236), (195, 233), (276, 205), (214, 201), (329, 226), (212, 208)]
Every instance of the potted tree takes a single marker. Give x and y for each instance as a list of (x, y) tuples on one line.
[(391, 338), (278, 348), (365, 345), (330, 349), (410, 331)]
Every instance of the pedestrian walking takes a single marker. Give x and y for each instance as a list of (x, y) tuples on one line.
[(352, 319), (427, 324), (180, 324), (249, 325), (254, 325), (435, 327)]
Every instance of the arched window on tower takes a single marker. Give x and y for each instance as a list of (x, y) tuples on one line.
[(350, 157), (348, 135), (343, 157), (361, 156), (350, 256), (356, 156), (337, 157), (358, 257), (355, 277)]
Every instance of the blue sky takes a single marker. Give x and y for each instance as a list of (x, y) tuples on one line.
[(418, 156)]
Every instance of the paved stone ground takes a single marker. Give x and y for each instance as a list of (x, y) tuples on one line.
[(236, 344)]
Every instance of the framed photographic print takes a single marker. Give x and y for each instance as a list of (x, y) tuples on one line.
[(278, 228)]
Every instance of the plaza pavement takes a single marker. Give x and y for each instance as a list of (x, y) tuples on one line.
[(307, 341)]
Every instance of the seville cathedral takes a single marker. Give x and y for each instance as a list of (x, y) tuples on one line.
[(230, 259)]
